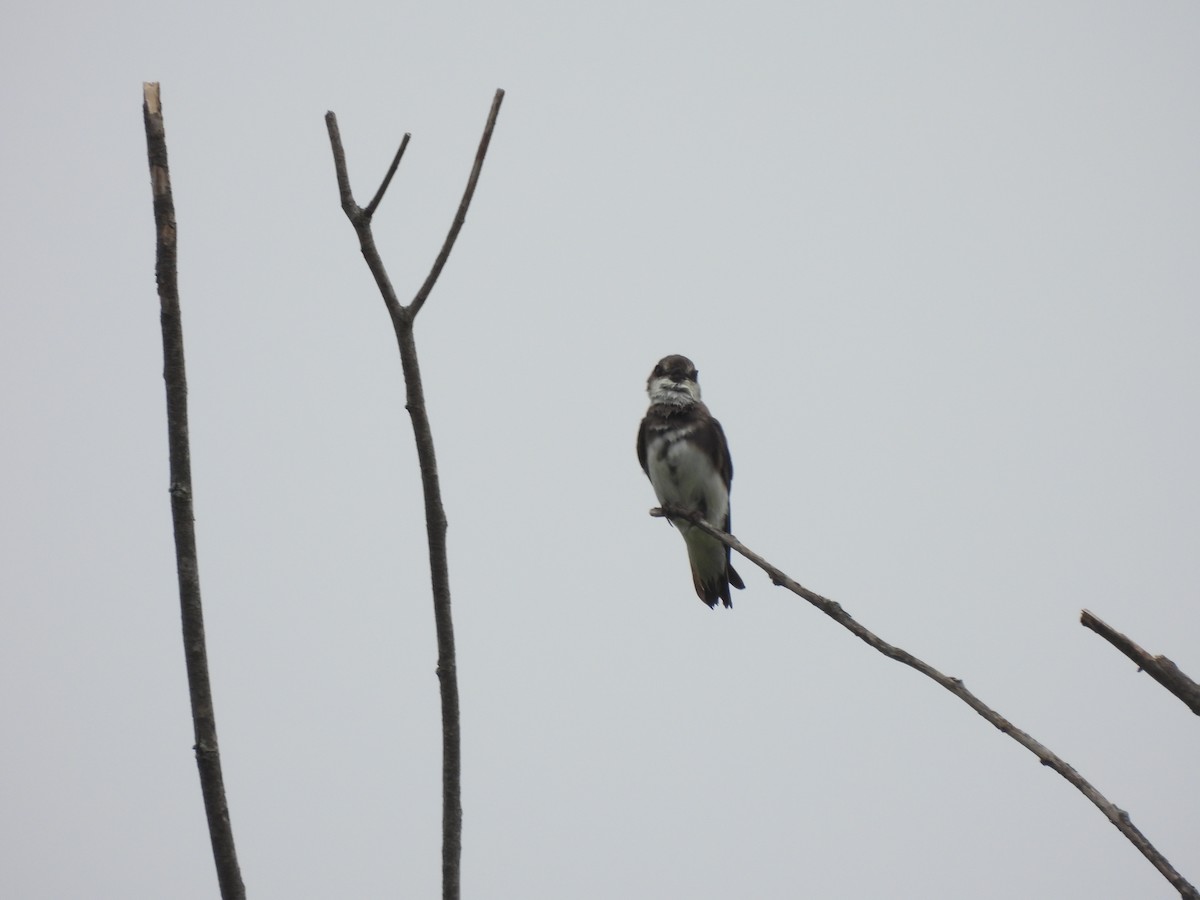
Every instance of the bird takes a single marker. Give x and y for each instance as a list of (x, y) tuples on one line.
[(683, 452)]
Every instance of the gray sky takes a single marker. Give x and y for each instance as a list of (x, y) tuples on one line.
[(937, 266)]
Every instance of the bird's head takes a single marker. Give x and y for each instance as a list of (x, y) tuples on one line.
[(673, 382)]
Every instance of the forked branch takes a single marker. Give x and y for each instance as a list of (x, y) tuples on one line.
[(403, 318), (1117, 816)]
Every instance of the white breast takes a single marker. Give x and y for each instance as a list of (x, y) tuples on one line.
[(685, 476)]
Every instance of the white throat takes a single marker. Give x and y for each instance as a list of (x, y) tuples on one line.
[(673, 393)]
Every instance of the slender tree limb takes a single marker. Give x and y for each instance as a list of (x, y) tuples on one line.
[(362, 222), (1159, 668), (1117, 816), (208, 756), (461, 216), (387, 179), (403, 319)]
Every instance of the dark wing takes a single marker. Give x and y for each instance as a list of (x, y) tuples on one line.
[(641, 446), (725, 462)]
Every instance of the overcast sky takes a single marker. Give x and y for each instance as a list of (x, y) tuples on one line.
[(937, 264)]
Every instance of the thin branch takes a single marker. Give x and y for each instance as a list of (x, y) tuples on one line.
[(387, 179), (1118, 817), (362, 224), (461, 216), (208, 756), (403, 318), (351, 208), (1159, 668)]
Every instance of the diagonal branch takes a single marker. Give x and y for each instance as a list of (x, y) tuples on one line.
[(403, 318), (204, 723), (461, 216), (1159, 668), (1117, 816), (387, 179)]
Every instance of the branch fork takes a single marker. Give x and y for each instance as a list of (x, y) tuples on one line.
[(403, 318)]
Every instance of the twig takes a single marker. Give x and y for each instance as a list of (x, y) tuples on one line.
[(387, 179), (403, 318), (1117, 816), (461, 216), (362, 222), (1159, 668), (208, 756)]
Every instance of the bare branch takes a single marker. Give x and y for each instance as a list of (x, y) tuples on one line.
[(461, 216), (208, 755), (403, 318), (1117, 816), (362, 223), (351, 208), (1159, 668), (387, 179)]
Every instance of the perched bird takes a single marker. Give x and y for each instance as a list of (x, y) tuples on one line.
[(683, 451)]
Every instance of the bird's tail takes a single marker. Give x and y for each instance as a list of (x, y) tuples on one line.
[(711, 572)]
